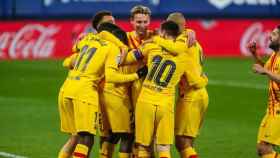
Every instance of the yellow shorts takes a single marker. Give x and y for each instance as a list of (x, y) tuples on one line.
[(269, 130), (154, 121), (66, 113), (119, 112), (86, 116), (190, 114)]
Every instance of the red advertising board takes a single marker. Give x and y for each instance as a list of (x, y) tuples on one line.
[(54, 39)]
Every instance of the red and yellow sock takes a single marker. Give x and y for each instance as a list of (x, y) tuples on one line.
[(64, 154), (107, 150), (134, 152), (81, 151), (271, 155), (188, 153), (164, 154), (124, 155), (143, 154)]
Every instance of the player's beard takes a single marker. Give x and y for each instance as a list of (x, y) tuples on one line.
[(274, 46)]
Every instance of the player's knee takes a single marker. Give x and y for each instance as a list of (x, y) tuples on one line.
[(74, 139), (114, 138), (143, 151), (85, 137), (84, 134), (126, 144), (162, 148), (183, 142), (264, 148)]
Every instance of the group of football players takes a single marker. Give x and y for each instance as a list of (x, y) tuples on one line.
[(124, 84)]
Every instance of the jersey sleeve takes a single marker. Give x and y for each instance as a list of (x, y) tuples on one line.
[(141, 53), (149, 47), (133, 56), (69, 61), (112, 75), (194, 77), (267, 65), (174, 47)]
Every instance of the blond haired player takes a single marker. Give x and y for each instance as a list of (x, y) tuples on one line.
[(140, 17), (96, 58), (269, 131), (193, 102)]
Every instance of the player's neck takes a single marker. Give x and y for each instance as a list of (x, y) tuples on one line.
[(170, 37), (140, 36)]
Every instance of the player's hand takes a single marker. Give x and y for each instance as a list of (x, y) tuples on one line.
[(122, 56), (252, 47), (191, 38), (259, 69), (148, 41), (142, 72)]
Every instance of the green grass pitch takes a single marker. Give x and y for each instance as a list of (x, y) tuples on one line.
[(29, 122)]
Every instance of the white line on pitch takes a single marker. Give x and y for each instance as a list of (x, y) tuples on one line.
[(238, 84), (5, 154)]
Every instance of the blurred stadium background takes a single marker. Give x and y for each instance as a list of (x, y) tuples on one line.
[(36, 34)]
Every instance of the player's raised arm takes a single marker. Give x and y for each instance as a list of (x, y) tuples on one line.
[(173, 47), (140, 54), (70, 61), (110, 37), (252, 47), (259, 69)]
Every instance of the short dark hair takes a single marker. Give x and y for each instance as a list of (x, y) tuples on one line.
[(171, 28), (98, 17), (115, 30)]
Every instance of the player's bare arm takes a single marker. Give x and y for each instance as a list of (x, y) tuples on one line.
[(259, 69), (252, 47)]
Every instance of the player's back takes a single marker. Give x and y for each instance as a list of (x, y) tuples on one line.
[(164, 74), (89, 66)]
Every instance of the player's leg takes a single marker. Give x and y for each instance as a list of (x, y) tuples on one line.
[(108, 144), (269, 136), (145, 116), (128, 137), (68, 148), (67, 125), (165, 130), (107, 141), (126, 145), (189, 117), (86, 122), (163, 150), (265, 150), (120, 116), (184, 145), (143, 151)]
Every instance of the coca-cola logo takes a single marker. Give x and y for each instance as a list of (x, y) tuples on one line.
[(31, 41), (255, 32)]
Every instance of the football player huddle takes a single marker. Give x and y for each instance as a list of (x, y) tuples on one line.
[(123, 86)]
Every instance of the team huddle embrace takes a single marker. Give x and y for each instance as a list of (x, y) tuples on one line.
[(123, 85)]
